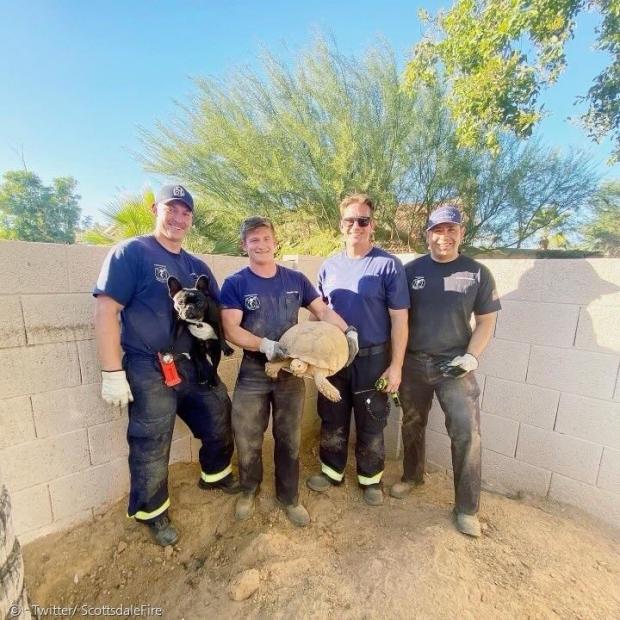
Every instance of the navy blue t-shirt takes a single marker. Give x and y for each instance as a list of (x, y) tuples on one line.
[(443, 298), (135, 274), (270, 305), (362, 290)]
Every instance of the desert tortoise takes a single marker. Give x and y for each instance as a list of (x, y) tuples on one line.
[(316, 349)]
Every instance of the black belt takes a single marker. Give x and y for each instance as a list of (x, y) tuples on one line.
[(374, 350)]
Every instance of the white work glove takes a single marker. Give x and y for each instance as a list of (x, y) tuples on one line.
[(202, 331), (352, 341), (274, 351), (115, 388), (459, 366)]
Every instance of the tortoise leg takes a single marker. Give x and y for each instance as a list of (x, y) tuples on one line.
[(273, 368), (324, 386)]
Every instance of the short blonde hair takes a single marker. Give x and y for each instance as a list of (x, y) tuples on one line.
[(362, 199)]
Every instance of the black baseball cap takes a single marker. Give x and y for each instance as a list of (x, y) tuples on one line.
[(168, 193)]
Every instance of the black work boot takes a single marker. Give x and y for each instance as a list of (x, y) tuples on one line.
[(321, 483), (229, 485), (163, 531)]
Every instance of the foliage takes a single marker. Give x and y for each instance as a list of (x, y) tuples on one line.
[(132, 215), (32, 211), (478, 46), (602, 231), (290, 143)]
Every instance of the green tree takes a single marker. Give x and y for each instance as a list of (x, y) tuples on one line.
[(32, 211), (602, 231), (497, 55), (132, 215), (290, 143)]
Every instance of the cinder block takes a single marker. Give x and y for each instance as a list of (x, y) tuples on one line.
[(31, 508), (89, 362), (195, 448), (95, 487), (617, 390), (563, 454), (499, 434), (517, 278), (60, 525), (308, 265), (506, 475), (62, 411), (579, 281), (12, 331), (506, 359), (598, 502), (609, 474), (438, 449), (224, 266), (108, 441), (15, 421), (525, 403), (589, 418), (30, 370), (42, 460), (538, 323), (180, 429), (569, 370), (83, 264), (58, 318), (228, 371), (598, 328), (181, 451), (33, 267)]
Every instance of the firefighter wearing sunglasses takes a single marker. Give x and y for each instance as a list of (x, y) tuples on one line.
[(367, 287)]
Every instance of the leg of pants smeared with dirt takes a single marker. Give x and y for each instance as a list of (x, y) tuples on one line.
[(356, 386), (459, 401), (255, 397)]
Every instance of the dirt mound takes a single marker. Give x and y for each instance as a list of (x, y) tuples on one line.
[(536, 559)]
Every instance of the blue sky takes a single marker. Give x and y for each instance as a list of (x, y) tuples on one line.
[(78, 78)]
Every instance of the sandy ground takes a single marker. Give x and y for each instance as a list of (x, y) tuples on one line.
[(536, 559)]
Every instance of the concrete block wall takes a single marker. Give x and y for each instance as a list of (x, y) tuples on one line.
[(550, 389), (550, 400)]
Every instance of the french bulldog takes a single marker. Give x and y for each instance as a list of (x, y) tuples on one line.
[(197, 305)]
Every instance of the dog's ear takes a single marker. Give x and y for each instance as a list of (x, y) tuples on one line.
[(202, 284), (174, 286)]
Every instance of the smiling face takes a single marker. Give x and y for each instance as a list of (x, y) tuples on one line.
[(357, 237), (444, 240), (260, 245), (173, 221)]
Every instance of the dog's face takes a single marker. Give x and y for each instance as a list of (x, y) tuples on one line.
[(190, 303)]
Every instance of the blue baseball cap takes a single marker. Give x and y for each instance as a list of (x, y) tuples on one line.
[(168, 193), (444, 215)]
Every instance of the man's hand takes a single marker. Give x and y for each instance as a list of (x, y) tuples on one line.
[(274, 351), (352, 341), (202, 331), (393, 374), (115, 388), (459, 366)]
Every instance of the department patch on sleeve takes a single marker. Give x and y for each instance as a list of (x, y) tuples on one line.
[(252, 302), (161, 273), (418, 283)]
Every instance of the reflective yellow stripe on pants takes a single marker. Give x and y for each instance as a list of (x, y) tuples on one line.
[(145, 516), (331, 473), (220, 475), (365, 481)]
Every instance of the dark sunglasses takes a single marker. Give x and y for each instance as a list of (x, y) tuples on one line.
[(361, 221)]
